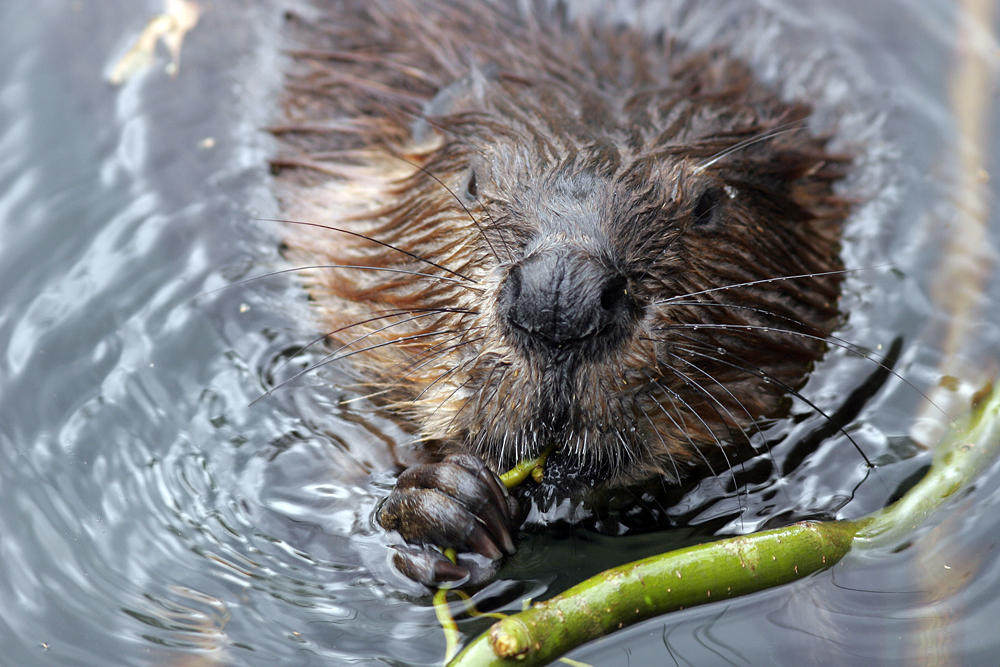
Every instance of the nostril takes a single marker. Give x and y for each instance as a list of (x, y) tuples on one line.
[(615, 293)]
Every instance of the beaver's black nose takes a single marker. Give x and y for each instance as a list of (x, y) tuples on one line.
[(562, 299)]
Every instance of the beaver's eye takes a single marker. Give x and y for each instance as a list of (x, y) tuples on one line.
[(472, 187), (705, 208)]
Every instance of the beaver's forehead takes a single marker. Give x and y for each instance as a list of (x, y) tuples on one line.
[(582, 194), (519, 167), (613, 118)]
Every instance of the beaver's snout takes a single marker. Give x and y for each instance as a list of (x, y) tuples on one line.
[(559, 299)]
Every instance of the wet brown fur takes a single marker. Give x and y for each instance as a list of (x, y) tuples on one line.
[(580, 119)]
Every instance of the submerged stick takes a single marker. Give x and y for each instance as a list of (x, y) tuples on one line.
[(971, 445), (736, 566), (447, 621)]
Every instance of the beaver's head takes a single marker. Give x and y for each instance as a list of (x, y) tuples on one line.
[(633, 262)]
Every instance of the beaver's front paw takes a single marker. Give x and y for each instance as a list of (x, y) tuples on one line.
[(458, 503)]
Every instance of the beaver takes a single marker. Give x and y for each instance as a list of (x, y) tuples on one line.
[(530, 231)]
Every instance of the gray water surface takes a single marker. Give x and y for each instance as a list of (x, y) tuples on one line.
[(152, 513)]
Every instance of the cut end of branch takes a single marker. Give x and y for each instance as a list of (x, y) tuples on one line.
[(510, 638)]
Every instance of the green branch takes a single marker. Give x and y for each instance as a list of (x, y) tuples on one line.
[(668, 582), (971, 445), (736, 566)]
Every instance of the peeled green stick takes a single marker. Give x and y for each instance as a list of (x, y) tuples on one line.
[(527, 468)]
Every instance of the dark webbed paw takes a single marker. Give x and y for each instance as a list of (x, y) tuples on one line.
[(458, 503)]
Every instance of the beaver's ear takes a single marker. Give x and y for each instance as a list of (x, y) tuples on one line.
[(465, 94)]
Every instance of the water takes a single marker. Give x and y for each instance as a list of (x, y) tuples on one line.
[(150, 515)]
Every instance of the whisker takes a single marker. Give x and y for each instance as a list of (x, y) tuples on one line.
[(380, 330), (478, 200), (704, 392), (379, 268), (474, 147), (331, 266), (454, 417), (673, 462), (692, 383), (753, 422), (435, 356), (432, 353), (751, 369), (720, 384), (840, 343), (759, 311), (451, 370), (749, 327), (671, 394), (487, 400), (765, 281), (373, 240), (465, 208), (366, 397), (331, 359), (770, 134), (385, 314)]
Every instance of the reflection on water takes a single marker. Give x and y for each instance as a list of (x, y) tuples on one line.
[(150, 515)]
